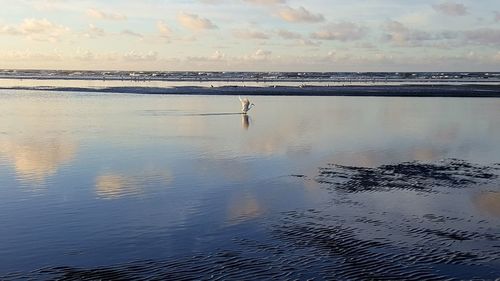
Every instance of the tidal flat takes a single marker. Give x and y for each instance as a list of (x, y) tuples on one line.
[(114, 186)]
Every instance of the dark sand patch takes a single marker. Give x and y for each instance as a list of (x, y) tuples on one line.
[(424, 90), (415, 176)]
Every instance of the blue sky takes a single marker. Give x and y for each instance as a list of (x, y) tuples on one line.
[(266, 35)]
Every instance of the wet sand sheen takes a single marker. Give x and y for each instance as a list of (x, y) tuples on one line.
[(108, 186), (323, 244)]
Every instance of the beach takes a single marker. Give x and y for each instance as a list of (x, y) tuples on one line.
[(420, 84), (100, 185), (362, 91)]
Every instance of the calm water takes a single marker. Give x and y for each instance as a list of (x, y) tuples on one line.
[(91, 181)]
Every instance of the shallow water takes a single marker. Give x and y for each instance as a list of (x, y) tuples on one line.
[(117, 186)]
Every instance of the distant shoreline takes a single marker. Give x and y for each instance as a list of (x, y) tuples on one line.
[(432, 90)]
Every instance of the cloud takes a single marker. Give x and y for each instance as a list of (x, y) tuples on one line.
[(28, 55), (84, 55), (300, 15), (36, 29), (195, 22), (165, 31), (399, 34), (298, 39), (260, 55), (129, 32), (9, 30), (250, 34), (285, 34), (307, 42), (343, 31), (136, 56), (49, 5), (497, 16), (100, 15), (212, 2), (451, 9), (483, 36), (217, 56), (266, 2), (496, 57), (94, 31)]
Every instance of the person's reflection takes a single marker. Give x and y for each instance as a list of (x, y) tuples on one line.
[(245, 121)]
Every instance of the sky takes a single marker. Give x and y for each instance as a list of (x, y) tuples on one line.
[(251, 35)]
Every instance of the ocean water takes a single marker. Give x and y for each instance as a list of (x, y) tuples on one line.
[(117, 186), (145, 79)]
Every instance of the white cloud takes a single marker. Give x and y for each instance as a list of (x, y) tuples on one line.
[(259, 55), (307, 42), (195, 22), (451, 9), (211, 1), (250, 34), (29, 55), (299, 15), (165, 31), (84, 55), (9, 30), (138, 56), (398, 33), (266, 2), (94, 31), (218, 55), (343, 31), (36, 29), (496, 57), (100, 15), (49, 5)]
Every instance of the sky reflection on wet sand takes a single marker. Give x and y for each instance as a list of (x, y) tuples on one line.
[(126, 169)]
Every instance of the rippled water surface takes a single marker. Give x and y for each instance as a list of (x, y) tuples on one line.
[(115, 186)]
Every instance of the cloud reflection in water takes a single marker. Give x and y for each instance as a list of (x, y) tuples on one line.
[(36, 159), (488, 202), (243, 207), (116, 185)]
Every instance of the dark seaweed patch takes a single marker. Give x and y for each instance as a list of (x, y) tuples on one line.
[(415, 176)]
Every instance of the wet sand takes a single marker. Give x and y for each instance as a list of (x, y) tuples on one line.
[(336, 243), (417, 90)]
